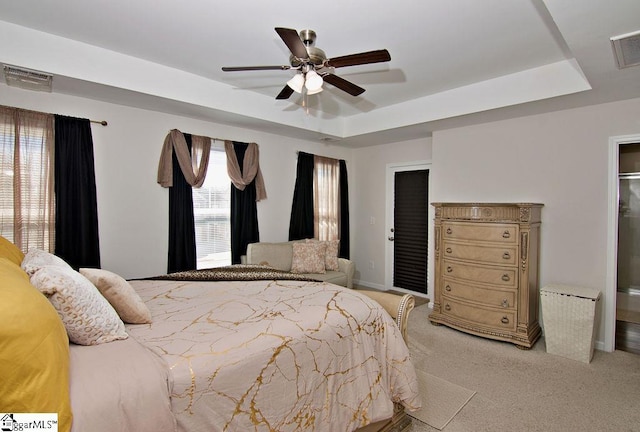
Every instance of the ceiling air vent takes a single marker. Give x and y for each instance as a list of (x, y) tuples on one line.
[(328, 139), (626, 48), (27, 79)]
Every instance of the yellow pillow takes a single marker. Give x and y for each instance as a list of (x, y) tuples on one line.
[(34, 350), (10, 251)]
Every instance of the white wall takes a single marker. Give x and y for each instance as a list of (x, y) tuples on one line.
[(368, 201), (132, 207), (559, 159)]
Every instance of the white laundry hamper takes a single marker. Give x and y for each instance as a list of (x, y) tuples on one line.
[(569, 320)]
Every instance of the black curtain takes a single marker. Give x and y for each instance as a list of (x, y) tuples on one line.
[(76, 205), (301, 221), (182, 232), (344, 211), (244, 212)]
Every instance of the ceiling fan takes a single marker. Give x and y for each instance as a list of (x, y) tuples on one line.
[(313, 64)]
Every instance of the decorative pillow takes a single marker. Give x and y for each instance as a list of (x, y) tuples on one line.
[(87, 316), (124, 299), (331, 256), (308, 257), (37, 258), (34, 350), (10, 251)]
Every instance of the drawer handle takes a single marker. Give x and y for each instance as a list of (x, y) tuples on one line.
[(449, 269), (447, 307), (447, 288), (448, 250), (449, 231), (506, 278), (504, 320), (505, 303), (506, 255), (506, 234)]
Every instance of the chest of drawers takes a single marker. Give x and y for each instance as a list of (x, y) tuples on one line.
[(486, 270)]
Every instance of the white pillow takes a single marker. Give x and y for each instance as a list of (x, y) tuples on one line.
[(37, 258), (85, 313), (124, 299)]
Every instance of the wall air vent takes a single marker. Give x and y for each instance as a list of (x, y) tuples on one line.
[(626, 49), (27, 79)]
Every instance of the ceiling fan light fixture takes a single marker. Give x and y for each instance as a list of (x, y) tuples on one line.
[(316, 91), (296, 83), (305, 58), (313, 82)]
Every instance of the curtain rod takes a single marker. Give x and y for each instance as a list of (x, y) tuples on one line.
[(102, 122), (313, 154)]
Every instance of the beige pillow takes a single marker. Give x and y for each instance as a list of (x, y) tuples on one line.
[(87, 316), (37, 258), (124, 299), (308, 257), (331, 255)]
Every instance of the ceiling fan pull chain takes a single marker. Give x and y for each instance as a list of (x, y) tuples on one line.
[(305, 105)]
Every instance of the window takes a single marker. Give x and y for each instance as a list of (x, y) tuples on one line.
[(212, 209), (320, 206), (26, 178), (326, 195)]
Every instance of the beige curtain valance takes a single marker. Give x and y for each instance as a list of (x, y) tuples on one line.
[(250, 169), (193, 172)]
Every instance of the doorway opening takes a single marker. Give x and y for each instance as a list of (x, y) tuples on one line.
[(628, 256)]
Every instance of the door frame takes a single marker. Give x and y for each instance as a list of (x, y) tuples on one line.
[(609, 311), (391, 169)]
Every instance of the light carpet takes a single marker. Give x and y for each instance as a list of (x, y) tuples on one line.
[(441, 400)]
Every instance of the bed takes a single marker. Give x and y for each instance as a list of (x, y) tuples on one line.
[(246, 352)]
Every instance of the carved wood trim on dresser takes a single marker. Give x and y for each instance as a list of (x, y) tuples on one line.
[(486, 269)]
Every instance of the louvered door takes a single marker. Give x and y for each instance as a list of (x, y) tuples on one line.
[(409, 234)]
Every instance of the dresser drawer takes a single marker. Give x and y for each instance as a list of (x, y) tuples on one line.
[(492, 297), (490, 232), (504, 254), (501, 276), (496, 319)]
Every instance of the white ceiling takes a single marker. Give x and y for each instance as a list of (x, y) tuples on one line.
[(453, 62)]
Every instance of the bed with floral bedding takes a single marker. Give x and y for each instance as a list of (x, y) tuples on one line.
[(228, 350)]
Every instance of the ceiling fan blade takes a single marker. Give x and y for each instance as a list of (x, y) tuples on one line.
[(285, 93), (343, 84), (253, 68), (291, 38), (359, 59)]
